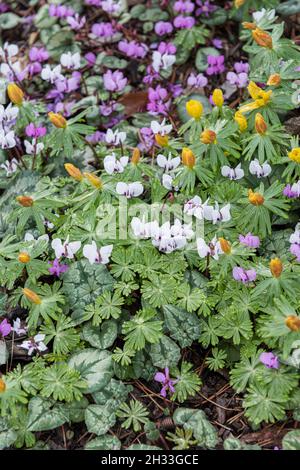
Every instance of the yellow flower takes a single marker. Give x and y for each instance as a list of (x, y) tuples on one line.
[(256, 199), (32, 296), (218, 97), (194, 108), (74, 172), (225, 245), (136, 155), (274, 80), (248, 25), (294, 154), (262, 38), (239, 3), (24, 257), (208, 137), (188, 158), (261, 98), (276, 267), (58, 120), (162, 140), (25, 201), (2, 386), (94, 180), (293, 322), (241, 121), (260, 124), (15, 94)]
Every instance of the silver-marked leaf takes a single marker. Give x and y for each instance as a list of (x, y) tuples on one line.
[(95, 367), (100, 418), (102, 336), (43, 416), (104, 443)]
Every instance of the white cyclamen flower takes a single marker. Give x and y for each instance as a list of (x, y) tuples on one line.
[(162, 129), (8, 50), (142, 229), (201, 210), (268, 14), (70, 61), (10, 166), (162, 61), (129, 190), (182, 230), (260, 171), (30, 238), (34, 344), (113, 165), (51, 75), (33, 148), (17, 328), (232, 173), (97, 255), (219, 215), (213, 248), (169, 163), (7, 141), (65, 248), (167, 182), (115, 137)]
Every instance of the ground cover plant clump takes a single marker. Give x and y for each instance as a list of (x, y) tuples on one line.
[(149, 227)]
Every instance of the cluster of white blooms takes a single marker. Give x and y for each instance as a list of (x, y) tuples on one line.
[(90, 251)]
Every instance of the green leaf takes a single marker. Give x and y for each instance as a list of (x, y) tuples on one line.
[(106, 442), (291, 440), (9, 20), (44, 415), (100, 418), (184, 327), (95, 367), (101, 337), (7, 435), (203, 431), (165, 353)]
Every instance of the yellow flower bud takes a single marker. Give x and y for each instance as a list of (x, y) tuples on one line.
[(260, 124), (256, 199), (58, 120), (25, 201), (188, 157), (2, 386), (162, 140), (248, 25), (262, 38), (225, 245), (294, 154), (208, 137), (241, 121), (94, 180), (32, 296), (136, 155), (276, 267), (15, 94), (274, 80), (74, 172), (194, 108), (24, 257), (218, 97), (239, 3), (293, 322)]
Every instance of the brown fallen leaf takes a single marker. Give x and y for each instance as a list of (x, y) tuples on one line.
[(134, 102)]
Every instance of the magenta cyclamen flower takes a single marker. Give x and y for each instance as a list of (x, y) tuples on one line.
[(163, 27), (166, 48), (217, 43), (205, 7), (184, 22), (166, 381), (269, 360), (243, 275), (250, 240), (34, 131), (114, 81), (57, 269), (5, 328), (133, 49), (215, 64), (60, 11), (91, 58)]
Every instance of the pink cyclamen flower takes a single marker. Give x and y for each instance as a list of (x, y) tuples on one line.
[(60, 11), (205, 7), (167, 48), (76, 22), (197, 81), (56, 269), (35, 131), (183, 6), (184, 22), (38, 54), (103, 30), (290, 191), (114, 81), (91, 58), (250, 240), (215, 64), (5, 328), (217, 43), (163, 27), (133, 49), (243, 275), (269, 360), (166, 381)]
